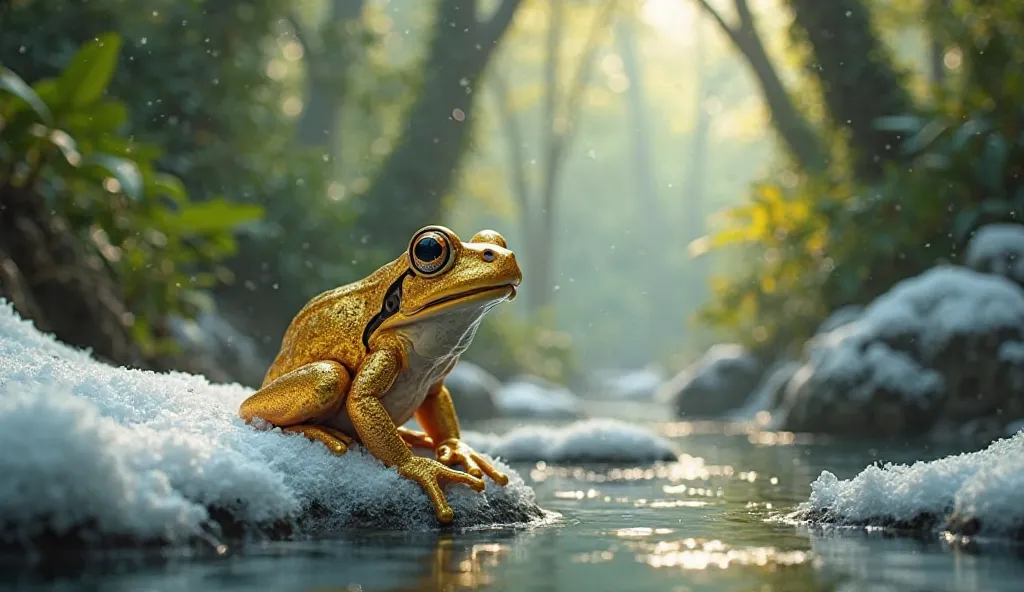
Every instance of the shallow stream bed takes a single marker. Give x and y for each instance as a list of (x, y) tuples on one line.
[(708, 523)]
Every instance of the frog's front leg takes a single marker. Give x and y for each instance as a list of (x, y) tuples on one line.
[(437, 416), (378, 433), (296, 400)]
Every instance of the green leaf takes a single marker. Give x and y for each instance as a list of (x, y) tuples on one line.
[(67, 146), (213, 216), (992, 164), (91, 69), (964, 223), (105, 117), (12, 83), (924, 138), (907, 124), (169, 186), (124, 170)]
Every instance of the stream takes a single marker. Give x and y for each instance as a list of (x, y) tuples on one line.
[(709, 522)]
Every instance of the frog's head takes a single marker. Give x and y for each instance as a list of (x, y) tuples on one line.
[(443, 276)]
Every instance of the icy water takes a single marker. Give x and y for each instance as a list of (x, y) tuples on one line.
[(702, 524)]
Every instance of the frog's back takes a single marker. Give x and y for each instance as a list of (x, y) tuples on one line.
[(330, 327)]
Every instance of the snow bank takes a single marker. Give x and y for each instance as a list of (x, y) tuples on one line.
[(593, 441), (719, 382), (998, 249), (943, 342), (533, 397), (92, 450), (974, 493)]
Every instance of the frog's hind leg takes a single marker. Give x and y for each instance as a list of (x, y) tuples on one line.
[(297, 400), (415, 439)]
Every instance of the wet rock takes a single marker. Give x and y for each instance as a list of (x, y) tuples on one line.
[(945, 345), (718, 382), (473, 391)]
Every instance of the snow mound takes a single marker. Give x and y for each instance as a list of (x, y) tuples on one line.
[(719, 382), (589, 441), (998, 249), (635, 384), (944, 342), (973, 493), (529, 396), (92, 451)]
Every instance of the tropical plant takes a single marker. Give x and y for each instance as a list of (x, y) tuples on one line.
[(62, 145)]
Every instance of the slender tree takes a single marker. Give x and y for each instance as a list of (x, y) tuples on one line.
[(327, 67), (858, 81), (409, 188), (561, 110), (798, 135)]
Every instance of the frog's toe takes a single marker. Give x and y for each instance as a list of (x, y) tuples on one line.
[(335, 441)]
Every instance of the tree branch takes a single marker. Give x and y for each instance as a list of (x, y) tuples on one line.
[(582, 76), (493, 29), (300, 35), (730, 30)]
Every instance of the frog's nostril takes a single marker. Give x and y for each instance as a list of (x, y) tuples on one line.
[(488, 255)]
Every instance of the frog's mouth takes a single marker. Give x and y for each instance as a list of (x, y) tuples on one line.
[(485, 293)]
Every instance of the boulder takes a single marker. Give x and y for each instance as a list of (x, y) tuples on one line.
[(945, 345), (473, 390), (719, 382)]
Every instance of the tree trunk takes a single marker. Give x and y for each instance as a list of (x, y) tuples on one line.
[(858, 81), (327, 76), (798, 135), (693, 184), (651, 218), (53, 281), (411, 184)]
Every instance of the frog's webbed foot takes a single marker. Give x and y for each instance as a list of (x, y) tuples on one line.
[(428, 473), (456, 452), (415, 439), (336, 441)]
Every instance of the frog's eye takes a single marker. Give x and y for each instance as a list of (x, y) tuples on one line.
[(430, 252)]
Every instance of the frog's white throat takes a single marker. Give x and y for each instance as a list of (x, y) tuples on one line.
[(446, 334)]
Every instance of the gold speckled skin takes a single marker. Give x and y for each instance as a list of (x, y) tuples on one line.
[(349, 363)]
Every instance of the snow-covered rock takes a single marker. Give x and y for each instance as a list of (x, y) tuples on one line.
[(998, 249), (637, 384), (530, 396), (973, 493), (719, 382), (91, 451), (941, 345), (588, 441), (473, 390)]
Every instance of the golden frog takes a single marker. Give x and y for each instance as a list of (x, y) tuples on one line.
[(360, 360)]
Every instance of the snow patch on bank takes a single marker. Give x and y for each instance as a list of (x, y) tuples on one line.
[(986, 486), (594, 441), (144, 455)]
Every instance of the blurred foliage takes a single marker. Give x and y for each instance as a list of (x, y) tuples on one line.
[(198, 78), (507, 345), (62, 142), (814, 244)]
